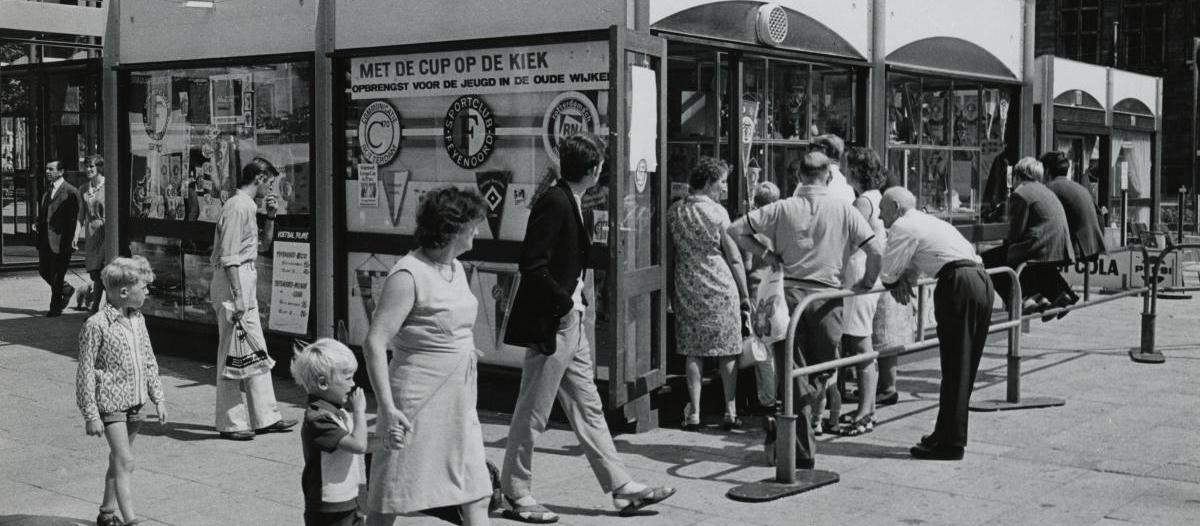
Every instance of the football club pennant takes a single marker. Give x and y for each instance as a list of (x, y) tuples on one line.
[(394, 184), (493, 186)]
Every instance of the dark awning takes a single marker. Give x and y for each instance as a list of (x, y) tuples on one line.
[(736, 21), (951, 56)]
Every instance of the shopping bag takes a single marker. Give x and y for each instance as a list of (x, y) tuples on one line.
[(245, 359), (754, 351), (770, 309)]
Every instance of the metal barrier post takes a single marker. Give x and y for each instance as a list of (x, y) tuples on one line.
[(1013, 398), (787, 480), (921, 325), (1146, 352)]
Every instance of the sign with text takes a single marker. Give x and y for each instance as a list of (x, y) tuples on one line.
[(290, 289), (550, 67)]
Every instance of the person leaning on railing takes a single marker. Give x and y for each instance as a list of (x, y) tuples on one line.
[(920, 244)]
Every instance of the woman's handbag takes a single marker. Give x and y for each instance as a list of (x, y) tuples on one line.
[(244, 358)]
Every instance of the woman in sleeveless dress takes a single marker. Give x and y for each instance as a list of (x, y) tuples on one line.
[(432, 454)]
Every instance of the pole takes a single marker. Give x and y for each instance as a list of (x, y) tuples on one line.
[(1182, 203)]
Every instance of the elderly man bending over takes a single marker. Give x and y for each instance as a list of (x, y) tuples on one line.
[(920, 244)]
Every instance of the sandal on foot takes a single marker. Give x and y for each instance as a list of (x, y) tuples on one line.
[(861, 426), (534, 514), (642, 499)]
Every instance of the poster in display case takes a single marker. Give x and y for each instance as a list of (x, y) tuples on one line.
[(494, 286)]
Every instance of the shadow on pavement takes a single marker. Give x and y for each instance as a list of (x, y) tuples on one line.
[(41, 520), (180, 431), (861, 450)]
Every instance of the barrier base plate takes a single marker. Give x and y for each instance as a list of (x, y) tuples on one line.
[(769, 490), (1146, 357), (1032, 402)]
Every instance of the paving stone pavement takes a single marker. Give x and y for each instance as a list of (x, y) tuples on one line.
[(1124, 449)]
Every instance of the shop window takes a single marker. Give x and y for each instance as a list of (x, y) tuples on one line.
[(698, 111), (948, 144), (1079, 30), (190, 131), (1142, 23)]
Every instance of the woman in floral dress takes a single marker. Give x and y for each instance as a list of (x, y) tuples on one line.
[(709, 286)]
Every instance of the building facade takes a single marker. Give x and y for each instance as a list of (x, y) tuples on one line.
[(1151, 37)]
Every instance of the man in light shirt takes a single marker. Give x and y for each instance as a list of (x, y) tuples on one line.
[(920, 244), (245, 407), (811, 235)]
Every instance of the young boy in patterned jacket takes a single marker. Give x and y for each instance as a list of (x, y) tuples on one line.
[(117, 375)]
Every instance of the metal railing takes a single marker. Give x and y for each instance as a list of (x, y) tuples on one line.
[(786, 478)]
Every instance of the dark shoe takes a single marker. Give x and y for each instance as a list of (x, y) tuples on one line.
[(67, 292), (237, 435), (281, 426), (731, 422), (1033, 307), (1074, 298), (53, 313), (107, 518), (924, 452), (641, 499), (891, 399), (1063, 300)]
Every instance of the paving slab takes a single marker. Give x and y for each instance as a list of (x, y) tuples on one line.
[(1122, 450)]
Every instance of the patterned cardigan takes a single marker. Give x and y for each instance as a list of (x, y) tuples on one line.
[(115, 374)]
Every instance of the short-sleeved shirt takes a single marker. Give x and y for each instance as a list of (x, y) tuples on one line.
[(331, 475), (924, 243), (812, 232), (236, 239)]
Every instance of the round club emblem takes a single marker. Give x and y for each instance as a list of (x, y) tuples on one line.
[(379, 133), (157, 115), (639, 176), (569, 113), (469, 132)]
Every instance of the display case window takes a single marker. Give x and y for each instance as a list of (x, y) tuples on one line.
[(698, 111), (488, 119), (949, 143), (189, 131)]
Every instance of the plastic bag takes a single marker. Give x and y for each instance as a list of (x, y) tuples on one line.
[(247, 354), (770, 320)]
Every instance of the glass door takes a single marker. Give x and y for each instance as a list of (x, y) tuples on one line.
[(18, 185), (637, 233)]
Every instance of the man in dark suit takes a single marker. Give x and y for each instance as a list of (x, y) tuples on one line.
[(57, 218), (1083, 214), (1038, 237), (547, 318)]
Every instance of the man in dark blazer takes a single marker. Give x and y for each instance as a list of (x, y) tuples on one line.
[(547, 318), (1038, 237), (57, 219), (1083, 214)]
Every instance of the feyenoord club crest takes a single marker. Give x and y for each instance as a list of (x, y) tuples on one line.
[(493, 186), (157, 115), (569, 113), (469, 132), (379, 133)]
